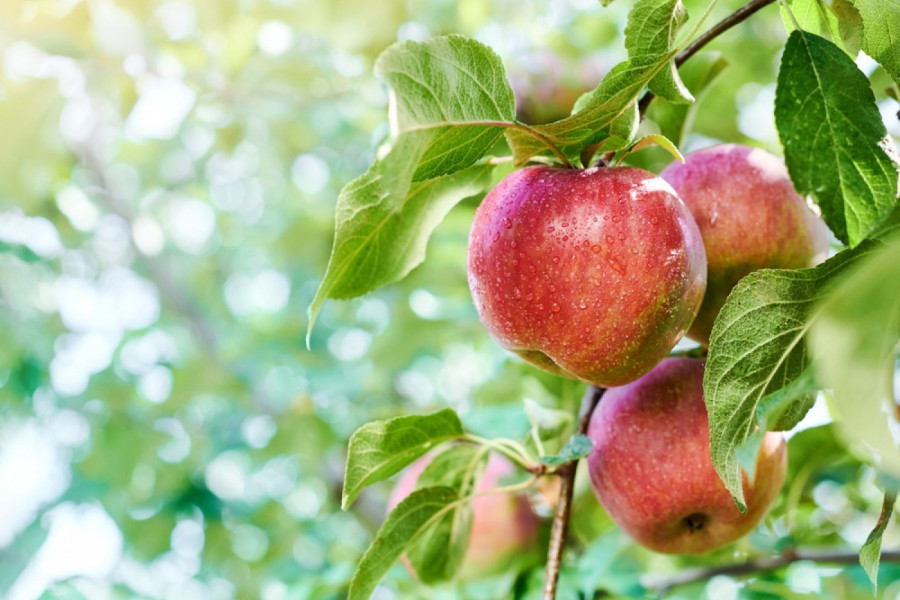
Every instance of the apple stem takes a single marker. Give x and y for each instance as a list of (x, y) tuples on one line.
[(561, 519), (713, 32)]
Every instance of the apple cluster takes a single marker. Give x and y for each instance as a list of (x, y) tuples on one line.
[(595, 274)]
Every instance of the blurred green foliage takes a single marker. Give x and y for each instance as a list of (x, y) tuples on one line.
[(169, 171)]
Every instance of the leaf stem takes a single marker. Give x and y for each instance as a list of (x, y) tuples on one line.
[(529, 131), (757, 565), (510, 448), (713, 32), (561, 519)]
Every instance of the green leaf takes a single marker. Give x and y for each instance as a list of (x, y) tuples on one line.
[(756, 348), (881, 33), (832, 135), (453, 87), (870, 553), (838, 21), (649, 34), (439, 551), (654, 139), (383, 222), (578, 446), (698, 74), (856, 347), (407, 521), (889, 228), (380, 449), (608, 104)]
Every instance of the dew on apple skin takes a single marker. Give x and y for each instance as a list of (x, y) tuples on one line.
[(554, 307), (610, 239), (555, 260), (507, 223), (596, 248), (496, 236), (582, 304), (654, 220)]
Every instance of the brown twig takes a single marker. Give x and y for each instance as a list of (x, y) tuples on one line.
[(716, 30), (759, 565), (563, 508)]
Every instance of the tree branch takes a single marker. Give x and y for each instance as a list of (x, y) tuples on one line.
[(759, 565), (713, 32), (567, 485)]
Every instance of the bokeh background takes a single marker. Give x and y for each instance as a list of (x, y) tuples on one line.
[(168, 175)]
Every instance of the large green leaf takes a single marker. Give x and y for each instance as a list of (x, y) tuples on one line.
[(833, 137), (409, 519), (383, 221), (649, 34), (380, 449), (881, 32), (855, 340), (756, 348), (453, 87)]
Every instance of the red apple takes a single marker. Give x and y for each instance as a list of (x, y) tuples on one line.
[(651, 469), (503, 524), (593, 274), (750, 218)]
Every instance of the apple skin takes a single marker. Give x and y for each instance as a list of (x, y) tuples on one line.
[(651, 469), (503, 525), (592, 274), (750, 218)]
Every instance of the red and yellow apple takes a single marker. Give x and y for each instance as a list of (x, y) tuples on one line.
[(503, 524), (749, 216), (592, 274), (651, 470)]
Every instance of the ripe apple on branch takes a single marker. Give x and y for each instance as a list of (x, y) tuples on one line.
[(595, 273)]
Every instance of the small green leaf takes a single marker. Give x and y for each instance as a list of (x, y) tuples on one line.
[(651, 140), (578, 446), (756, 348), (439, 551), (855, 341), (838, 21), (453, 87), (409, 519), (870, 553), (649, 34), (380, 449), (881, 35), (833, 137), (698, 74)]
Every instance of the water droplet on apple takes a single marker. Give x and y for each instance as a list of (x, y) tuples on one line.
[(621, 236), (515, 244), (654, 220), (529, 297), (508, 223), (555, 260), (554, 307), (609, 239), (496, 236), (582, 304), (616, 219), (551, 229), (565, 224), (518, 292), (596, 248)]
